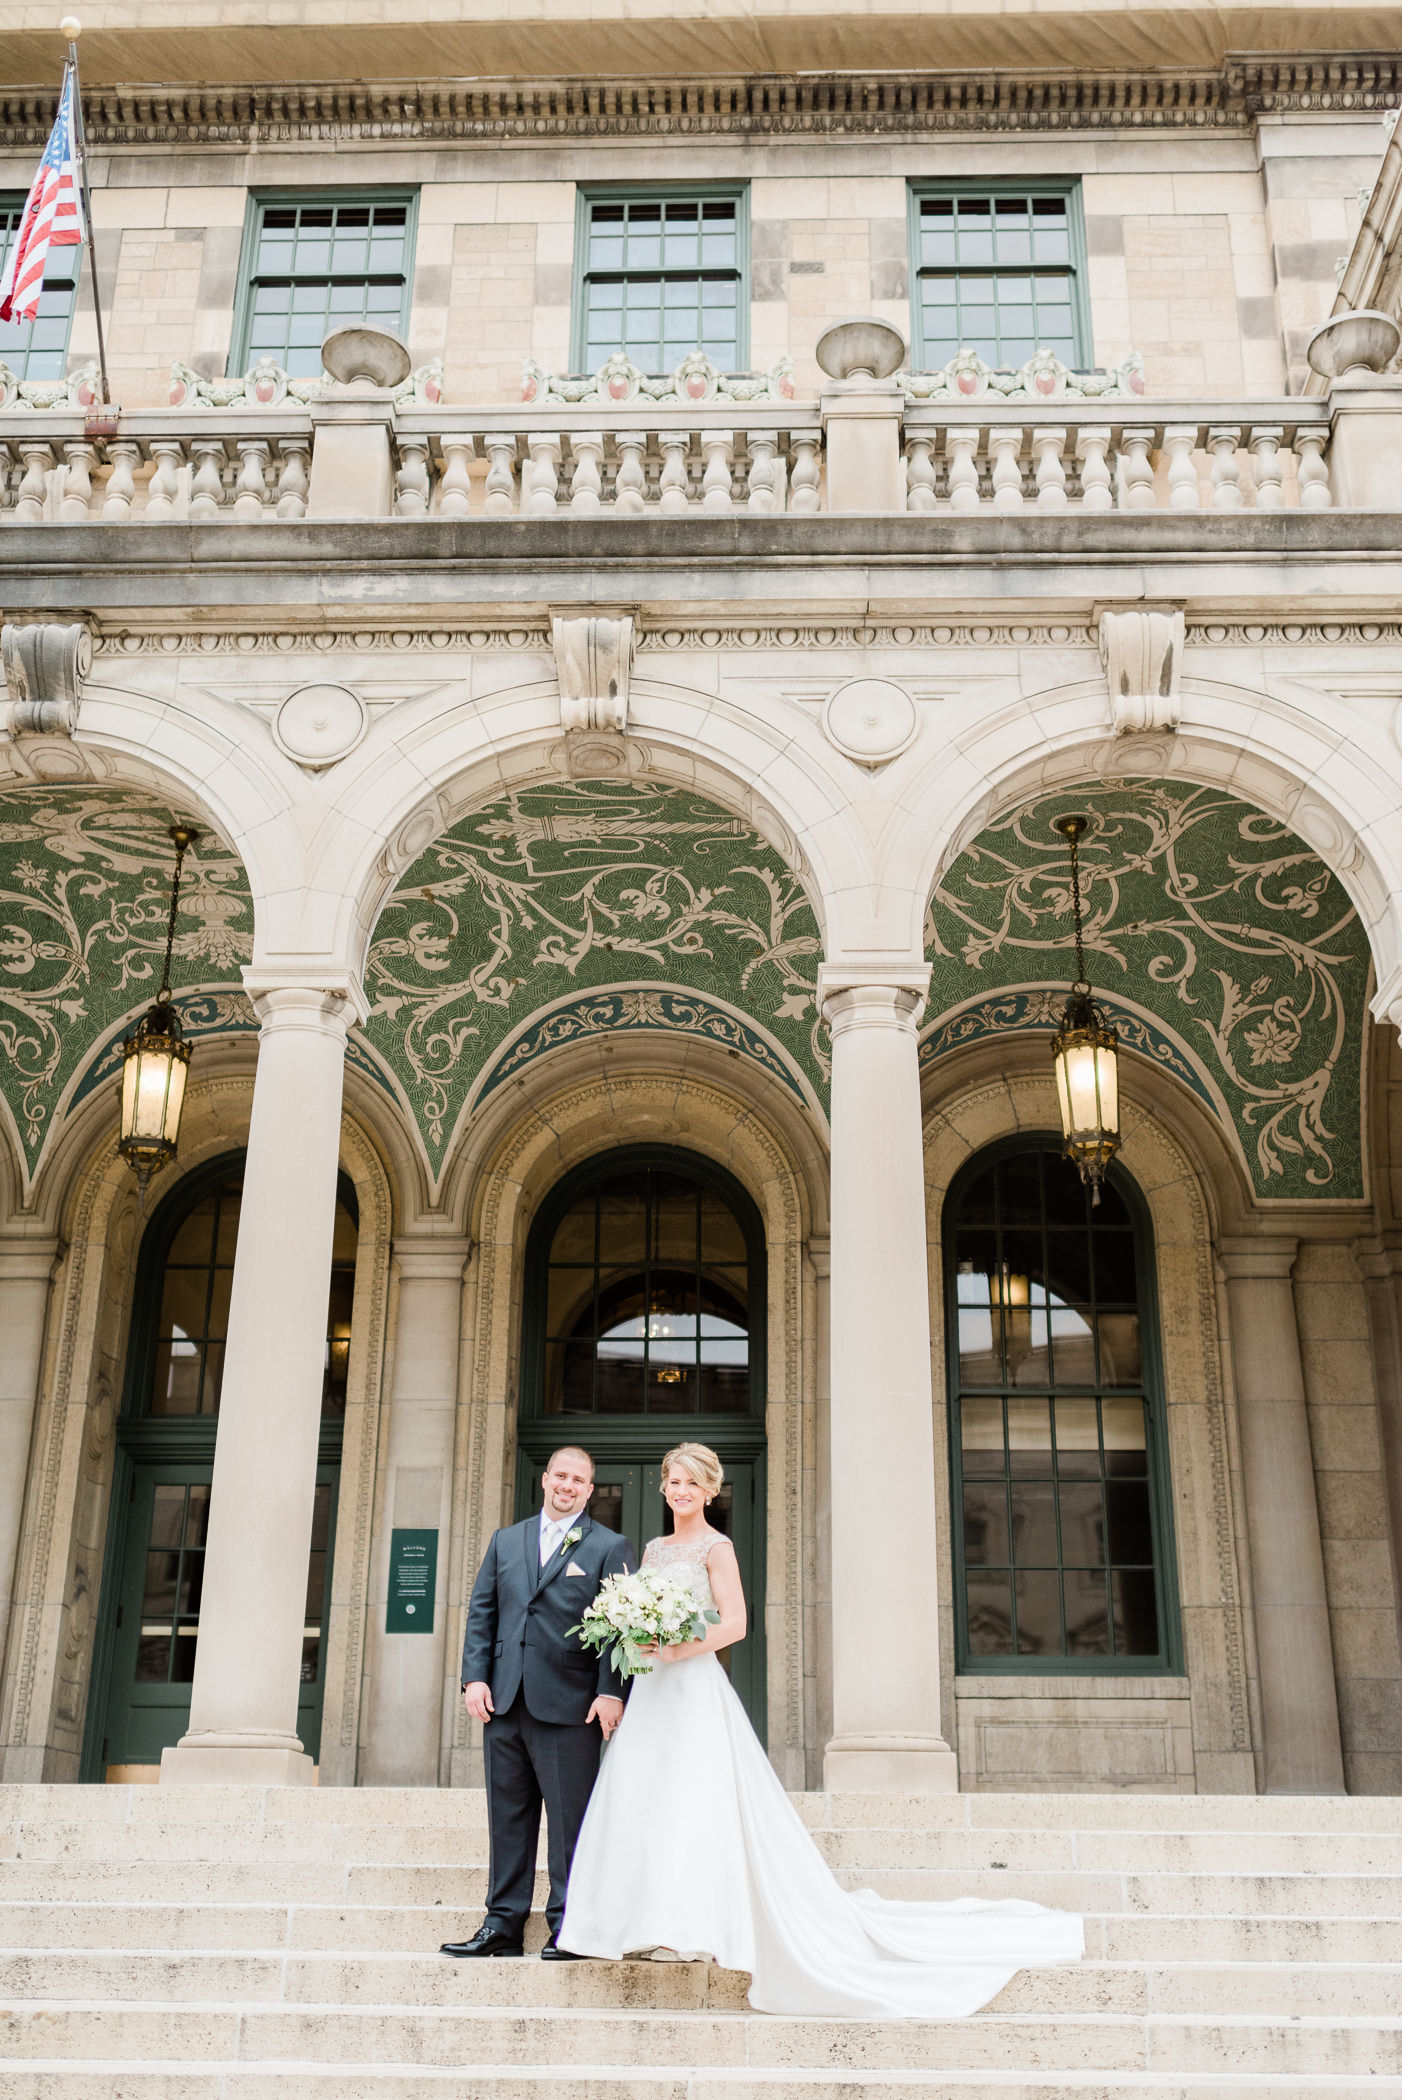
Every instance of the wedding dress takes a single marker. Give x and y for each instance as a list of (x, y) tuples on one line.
[(691, 1844)]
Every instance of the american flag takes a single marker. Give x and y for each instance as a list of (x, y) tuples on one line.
[(53, 217)]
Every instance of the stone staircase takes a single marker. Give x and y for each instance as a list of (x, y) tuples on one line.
[(231, 1944)]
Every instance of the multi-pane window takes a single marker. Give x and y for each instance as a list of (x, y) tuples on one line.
[(318, 265), (194, 1315), (996, 273), (1061, 1559), (647, 1291), (38, 349), (661, 277), (170, 1604)]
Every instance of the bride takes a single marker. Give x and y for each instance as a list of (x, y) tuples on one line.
[(691, 1847)]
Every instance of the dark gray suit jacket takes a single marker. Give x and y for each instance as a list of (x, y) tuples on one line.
[(518, 1618)]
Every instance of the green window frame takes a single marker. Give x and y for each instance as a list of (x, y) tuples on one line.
[(660, 272), (38, 349), (1000, 268), (316, 260), (1062, 1525)]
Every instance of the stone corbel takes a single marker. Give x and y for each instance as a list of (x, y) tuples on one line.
[(593, 660), (1143, 657), (45, 665)]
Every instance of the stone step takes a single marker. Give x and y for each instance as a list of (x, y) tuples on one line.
[(205, 2080), (412, 1929), (464, 2036), (1288, 1990), (462, 1890)]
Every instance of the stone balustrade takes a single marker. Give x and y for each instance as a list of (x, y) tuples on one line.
[(244, 465)]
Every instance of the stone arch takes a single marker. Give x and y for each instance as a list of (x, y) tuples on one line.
[(433, 765), (1225, 949), (553, 1133), (93, 1199), (1202, 1730), (574, 908), (1268, 748)]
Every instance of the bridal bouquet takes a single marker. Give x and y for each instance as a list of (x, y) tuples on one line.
[(655, 1606)]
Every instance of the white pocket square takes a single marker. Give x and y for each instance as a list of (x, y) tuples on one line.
[(574, 1568)]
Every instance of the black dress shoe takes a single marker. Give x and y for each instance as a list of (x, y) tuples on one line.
[(553, 1951), (486, 1940)]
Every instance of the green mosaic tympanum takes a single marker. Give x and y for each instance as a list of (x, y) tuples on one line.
[(575, 885), (1213, 918), (84, 897)]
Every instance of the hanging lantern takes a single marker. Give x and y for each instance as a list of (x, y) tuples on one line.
[(155, 1059), (1085, 1054)]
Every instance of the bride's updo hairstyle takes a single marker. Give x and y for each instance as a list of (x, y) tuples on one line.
[(700, 1461)]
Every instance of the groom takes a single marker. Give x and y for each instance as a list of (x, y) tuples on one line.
[(546, 1703)]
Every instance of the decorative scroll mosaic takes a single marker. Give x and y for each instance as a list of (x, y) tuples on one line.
[(1206, 913), (582, 883), (609, 1013), (1041, 1007), (84, 898)]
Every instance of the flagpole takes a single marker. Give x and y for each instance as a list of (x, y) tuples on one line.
[(72, 28)]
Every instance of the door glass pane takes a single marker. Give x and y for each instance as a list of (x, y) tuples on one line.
[(1058, 1525)]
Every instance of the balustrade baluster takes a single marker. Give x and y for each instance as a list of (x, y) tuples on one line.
[(1092, 446), (293, 477), (168, 456), (806, 476), (412, 487), (545, 449), (921, 474), (961, 451), (207, 459), (1312, 471), (1047, 449), (1005, 446), (455, 483), (762, 495), (500, 497), (1180, 443), (7, 467), (1136, 470), (587, 479), (1222, 442), (717, 451), (630, 481), (76, 499), (674, 488), (251, 488), (1269, 467), (124, 457), (32, 494)]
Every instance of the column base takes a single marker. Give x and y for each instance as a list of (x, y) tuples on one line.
[(223, 1762), (890, 1764)]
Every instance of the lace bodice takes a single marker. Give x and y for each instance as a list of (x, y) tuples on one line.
[(690, 1555)]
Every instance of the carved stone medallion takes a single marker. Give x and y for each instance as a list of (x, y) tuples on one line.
[(319, 724), (871, 720)]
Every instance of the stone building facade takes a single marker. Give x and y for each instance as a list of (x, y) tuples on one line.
[(626, 925)]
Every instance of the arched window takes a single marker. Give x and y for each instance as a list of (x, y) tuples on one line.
[(1062, 1534)]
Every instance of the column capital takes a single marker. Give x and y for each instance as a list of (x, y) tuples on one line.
[(879, 995), (289, 999), (432, 1260), (1271, 1256), (24, 1260), (820, 1253)]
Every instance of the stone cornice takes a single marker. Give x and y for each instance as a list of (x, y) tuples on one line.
[(532, 112)]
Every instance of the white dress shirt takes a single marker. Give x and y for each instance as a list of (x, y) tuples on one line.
[(552, 1533)]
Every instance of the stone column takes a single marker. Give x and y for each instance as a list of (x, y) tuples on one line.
[(243, 1708), (26, 1267), (408, 1671), (819, 1643), (885, 1615), (1380, 1261), (1295, 1655)]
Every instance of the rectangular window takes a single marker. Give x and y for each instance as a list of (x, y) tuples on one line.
[(662, 275), (999, 269), (38, 349), (314, 262)]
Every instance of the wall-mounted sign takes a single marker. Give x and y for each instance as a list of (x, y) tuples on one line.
[(413, 1573)]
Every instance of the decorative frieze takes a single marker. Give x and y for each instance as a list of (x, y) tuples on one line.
[(1043, 378), (267, 384), (694, 381)]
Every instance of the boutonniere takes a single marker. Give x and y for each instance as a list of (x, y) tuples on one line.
[(571, 1538)]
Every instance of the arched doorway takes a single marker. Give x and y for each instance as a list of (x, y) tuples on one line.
[(144, 1666), (1062, 1527), (644, 1324)]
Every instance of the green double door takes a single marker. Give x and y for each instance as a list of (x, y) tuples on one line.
[(155, 1627), (628, 1498)]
